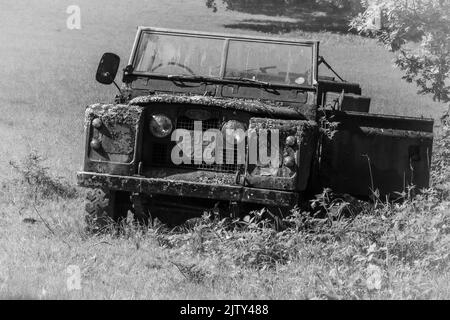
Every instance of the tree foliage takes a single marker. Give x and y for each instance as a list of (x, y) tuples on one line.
[(419, 32)]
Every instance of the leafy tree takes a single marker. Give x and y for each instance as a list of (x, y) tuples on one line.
[(419, 32)]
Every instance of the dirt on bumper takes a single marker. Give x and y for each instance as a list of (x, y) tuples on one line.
[(138, 184)]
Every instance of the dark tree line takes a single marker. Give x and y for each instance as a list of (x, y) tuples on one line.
[(288, 7)]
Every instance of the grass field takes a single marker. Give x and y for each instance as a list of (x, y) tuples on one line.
[(47, 79)]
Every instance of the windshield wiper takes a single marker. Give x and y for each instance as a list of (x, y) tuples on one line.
[(266, 85), (250, 80), (192, 78), (214, 79)]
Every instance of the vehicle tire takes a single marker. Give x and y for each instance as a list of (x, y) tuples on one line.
[(105, 208)]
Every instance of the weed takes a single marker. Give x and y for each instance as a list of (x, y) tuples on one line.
[(37, 182), (191, 272)]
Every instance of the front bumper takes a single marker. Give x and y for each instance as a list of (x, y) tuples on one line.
[(139, 184)]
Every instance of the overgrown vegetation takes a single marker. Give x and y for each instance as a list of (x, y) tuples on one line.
[(441, 159), (363, 257), (345, 249), (35, 181), (359, 250)]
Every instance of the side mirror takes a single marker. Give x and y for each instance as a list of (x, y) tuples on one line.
[(107, 68)]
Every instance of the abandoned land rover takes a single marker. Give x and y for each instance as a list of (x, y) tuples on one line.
[(260, 128)]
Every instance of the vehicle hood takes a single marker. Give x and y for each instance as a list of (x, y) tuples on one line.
[(256, 107)]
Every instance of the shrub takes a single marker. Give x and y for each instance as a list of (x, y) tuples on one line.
[(38, 183)]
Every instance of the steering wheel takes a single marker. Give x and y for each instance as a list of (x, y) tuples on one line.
[(173, 63), (261, 69)]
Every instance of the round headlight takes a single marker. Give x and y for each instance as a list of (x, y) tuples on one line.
[(160, 125), (236, 129), (96, 144), (97, 123), (289, 161), (291, 141)]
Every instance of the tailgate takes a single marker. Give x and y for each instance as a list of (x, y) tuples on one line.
[(370, 151)]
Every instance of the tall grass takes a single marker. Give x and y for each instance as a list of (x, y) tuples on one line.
[(343, 249)]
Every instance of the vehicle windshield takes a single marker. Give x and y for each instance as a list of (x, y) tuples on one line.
[(181, 55)]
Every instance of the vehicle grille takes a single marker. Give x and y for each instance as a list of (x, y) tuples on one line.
[(188, 124), (161, 155)]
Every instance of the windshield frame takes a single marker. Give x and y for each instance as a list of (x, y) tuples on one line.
[(226, 39)]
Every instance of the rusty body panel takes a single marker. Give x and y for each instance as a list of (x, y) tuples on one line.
[(295, 178), (182, 188), (385, 153), (119, 135), (202, 184)]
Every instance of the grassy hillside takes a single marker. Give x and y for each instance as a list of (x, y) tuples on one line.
[(387, 251), (47, 79)]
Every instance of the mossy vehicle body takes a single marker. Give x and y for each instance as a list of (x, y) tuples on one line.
[(174, 80)]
